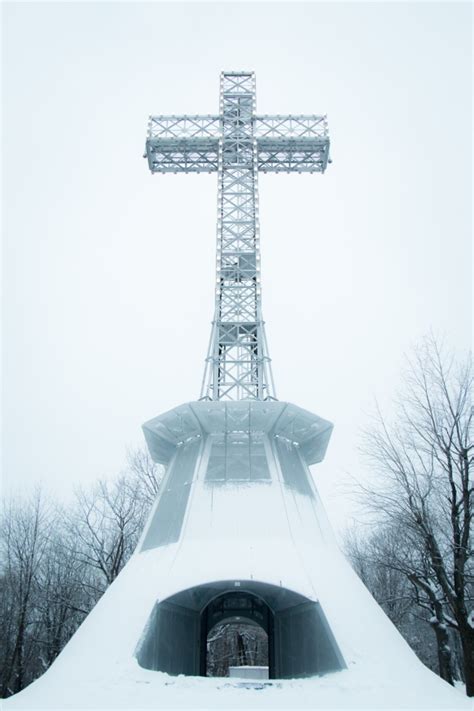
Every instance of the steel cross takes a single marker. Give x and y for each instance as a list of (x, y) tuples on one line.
[(237, 144)]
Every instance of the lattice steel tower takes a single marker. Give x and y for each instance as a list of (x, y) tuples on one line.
[(237, 144), (238, 533)]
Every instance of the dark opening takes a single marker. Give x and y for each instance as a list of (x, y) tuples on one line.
[(235, 644), (235, 627), (179, 636)]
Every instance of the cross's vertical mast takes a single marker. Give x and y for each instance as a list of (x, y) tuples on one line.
[(238, 366), (237, 144)]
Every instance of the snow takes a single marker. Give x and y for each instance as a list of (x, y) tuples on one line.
[(98, 669), (133, 688), (283, 539)]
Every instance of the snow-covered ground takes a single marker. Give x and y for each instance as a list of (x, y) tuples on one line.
[(280, 537), (134, 688)]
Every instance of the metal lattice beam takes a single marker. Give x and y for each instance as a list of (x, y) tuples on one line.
[(237, 144), (191, 143)]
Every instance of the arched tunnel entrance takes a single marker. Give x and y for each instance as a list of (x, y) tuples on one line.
[(236, 628), (236, 644), (300, 643)]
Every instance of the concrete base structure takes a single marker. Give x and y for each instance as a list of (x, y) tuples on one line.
[(248, 672), (238, 531), (237, 474)]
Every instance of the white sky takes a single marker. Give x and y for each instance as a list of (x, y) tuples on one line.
[(109, 271)]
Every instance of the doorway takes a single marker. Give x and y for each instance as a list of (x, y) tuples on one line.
[(235, 643), (178, 637), (235, 630)]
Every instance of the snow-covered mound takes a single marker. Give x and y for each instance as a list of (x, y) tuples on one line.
[(239, 510), (131, 687), (98, 669)]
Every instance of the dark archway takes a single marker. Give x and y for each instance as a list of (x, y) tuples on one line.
[(300, 642), (236, 606), (236, 642)]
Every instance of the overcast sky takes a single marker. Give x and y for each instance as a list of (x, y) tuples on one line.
[(108, 288)]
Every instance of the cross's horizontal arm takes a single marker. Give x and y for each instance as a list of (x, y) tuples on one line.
[(187, 144)]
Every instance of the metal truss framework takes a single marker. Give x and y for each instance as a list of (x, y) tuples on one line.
[(237, 144)]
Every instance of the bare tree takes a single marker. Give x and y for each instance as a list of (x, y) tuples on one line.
[(56, 562), (386, 563), (423, 460), (107, 522), (372, 557), (63, 599), (24, 529), (144, 476), (235, 644)]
